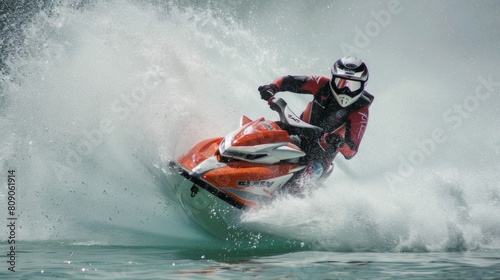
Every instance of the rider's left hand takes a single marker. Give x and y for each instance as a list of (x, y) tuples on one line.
[(333, 139)]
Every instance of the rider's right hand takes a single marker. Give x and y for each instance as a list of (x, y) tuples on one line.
[(267, 91)]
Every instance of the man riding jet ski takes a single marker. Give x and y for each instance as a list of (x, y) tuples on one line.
[(340, 108), (219, 178)]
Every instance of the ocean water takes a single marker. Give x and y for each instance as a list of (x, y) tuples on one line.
[(97, 96)]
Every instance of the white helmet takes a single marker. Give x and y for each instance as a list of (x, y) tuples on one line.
[(349, 76)]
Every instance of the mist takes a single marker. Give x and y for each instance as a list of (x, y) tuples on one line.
[(97, 97)]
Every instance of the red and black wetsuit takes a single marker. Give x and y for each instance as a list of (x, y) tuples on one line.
[(324, 111)]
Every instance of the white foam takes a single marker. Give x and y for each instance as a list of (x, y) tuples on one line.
[(108, 93)]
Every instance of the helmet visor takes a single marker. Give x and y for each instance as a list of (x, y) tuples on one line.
[(352, 86)]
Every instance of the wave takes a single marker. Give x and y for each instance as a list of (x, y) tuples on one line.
[(98, 96)]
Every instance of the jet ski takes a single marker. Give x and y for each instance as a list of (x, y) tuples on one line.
[(219, 178)]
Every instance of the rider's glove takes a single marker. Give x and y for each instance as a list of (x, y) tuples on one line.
[(334, 140), (267, 91)]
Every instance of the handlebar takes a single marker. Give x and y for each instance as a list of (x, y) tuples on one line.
[(291, 121)]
